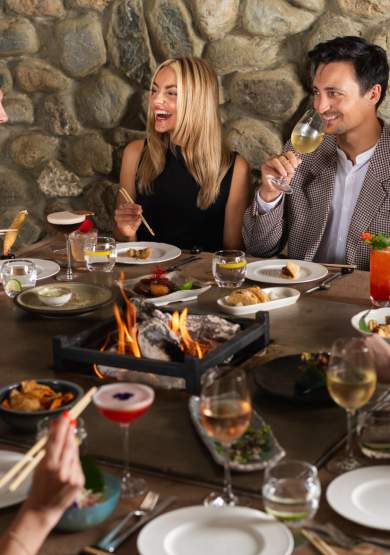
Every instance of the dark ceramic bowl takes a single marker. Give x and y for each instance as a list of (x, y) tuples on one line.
[(26, 421)]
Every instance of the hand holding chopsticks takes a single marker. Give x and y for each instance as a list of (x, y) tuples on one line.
[(128, 198), (34, 455)]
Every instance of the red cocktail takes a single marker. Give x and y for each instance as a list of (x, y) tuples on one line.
[(380, 277), (122, 403)]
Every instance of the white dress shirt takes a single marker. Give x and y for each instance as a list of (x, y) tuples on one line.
[(348, 184)]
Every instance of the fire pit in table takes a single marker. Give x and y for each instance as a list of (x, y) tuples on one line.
[(144, 339)]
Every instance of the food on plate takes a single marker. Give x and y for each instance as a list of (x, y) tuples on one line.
[(33, 396), (291, 270), (252, 447), (313, 372), (158, 284), (381, 329), (140, 254), (247, 296)]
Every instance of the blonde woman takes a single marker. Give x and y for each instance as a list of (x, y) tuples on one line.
[(186, 183)]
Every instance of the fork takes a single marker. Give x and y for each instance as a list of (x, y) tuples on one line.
[(147, 505)]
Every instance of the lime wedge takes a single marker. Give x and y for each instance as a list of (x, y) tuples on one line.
[(13, 287), (231, 265)]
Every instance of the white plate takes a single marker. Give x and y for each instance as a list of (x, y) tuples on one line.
[(45, 268), (215, 531), (280, 296), (360, 320), (362, 496), (7, 498), (176, 296), (269, 271), (161, 252)]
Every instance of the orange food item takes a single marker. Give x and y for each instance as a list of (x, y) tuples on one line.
[(33, 396)]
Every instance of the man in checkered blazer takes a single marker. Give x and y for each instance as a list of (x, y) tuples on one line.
[(343, 188)]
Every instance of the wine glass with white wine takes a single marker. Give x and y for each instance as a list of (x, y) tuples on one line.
[(351, 382), (306, 137), (225, 412)]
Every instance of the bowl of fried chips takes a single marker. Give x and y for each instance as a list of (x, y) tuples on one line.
[(24, 404)]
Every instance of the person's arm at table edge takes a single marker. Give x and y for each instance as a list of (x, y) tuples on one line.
[(236, 205)]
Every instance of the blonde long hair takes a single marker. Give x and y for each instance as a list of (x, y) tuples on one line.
[(198, 131)]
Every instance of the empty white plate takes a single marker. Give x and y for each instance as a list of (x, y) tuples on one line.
[(215, 531), (362, 496), (270, 271), (8, 498), (280, 296)]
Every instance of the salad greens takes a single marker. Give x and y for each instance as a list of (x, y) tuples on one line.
[(253, 446)]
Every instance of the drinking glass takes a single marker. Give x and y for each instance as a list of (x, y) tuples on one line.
[(373, 431), (380, 277), (79, 430), (306, 137), (351, 382), (100, 254), (229, 268), (291, 491), (225, 413), (78, 241), (66, 222), (122, 403), (17, 275)]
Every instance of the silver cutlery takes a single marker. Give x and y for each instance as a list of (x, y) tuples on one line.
[(345, 540), (324, 285), (182, 263)]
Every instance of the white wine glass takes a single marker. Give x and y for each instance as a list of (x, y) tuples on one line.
[(225, 412), (351, 382), (306, 137)]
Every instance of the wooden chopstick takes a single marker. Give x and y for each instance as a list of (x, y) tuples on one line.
[(8, 229), (126, 195), (319, 543), (34, 455), (349, 266)]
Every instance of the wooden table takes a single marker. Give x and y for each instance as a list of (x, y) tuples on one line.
[(164, 446)]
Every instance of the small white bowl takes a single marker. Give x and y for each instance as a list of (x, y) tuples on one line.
[(360, 320), (280, 296), (52, 295)]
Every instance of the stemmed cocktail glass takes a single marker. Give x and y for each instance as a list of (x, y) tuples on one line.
[(306, 137), (122, 403), (351, 382), (225, 413), (66, 222)]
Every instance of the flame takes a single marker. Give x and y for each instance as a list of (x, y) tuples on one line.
[(126, 323)]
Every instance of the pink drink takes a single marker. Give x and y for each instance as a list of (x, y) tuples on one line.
[(123, 402)]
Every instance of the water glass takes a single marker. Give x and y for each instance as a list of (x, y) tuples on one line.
[(78, 241), (373, 432), (229, 268), (17, 275), (291, 491), (100, 254)]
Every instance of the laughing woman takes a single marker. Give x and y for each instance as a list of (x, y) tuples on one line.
[(186, 183)]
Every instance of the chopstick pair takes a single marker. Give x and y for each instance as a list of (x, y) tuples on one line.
[(4, 231), (126, 195), (319, 543), (34, 455)]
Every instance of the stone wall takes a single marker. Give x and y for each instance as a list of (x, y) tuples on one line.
[(77, 72)]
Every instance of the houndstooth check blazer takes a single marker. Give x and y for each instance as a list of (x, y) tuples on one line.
[(300, 219)]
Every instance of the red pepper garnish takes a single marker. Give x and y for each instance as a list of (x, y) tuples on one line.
[(158, 272), (86, 226)]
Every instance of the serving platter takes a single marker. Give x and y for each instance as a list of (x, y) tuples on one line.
[(280, 297), (361, 319)]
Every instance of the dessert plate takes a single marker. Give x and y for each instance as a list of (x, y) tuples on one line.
[(216, 530), (270, 271), (160, 252)]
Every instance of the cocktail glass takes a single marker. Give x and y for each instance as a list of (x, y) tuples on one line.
[(122, 403), (66, 222), (380, 277)]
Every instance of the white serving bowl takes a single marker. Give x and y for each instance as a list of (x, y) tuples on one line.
[(280, 297), (53, 295), (360, 320)]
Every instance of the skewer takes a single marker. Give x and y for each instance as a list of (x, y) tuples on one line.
[(34, 455), (126, 195), (319, 543)]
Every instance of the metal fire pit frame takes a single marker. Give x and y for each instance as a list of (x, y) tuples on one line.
[(84, 348)]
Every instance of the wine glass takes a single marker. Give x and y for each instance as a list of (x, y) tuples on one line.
[(66, 222), (351, 382), (225, 413), (306, 137), (122, 403)]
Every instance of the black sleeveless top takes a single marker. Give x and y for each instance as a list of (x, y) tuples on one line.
[(172, 212)]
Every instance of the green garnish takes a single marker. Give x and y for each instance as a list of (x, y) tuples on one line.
[(186, 285), (94, 479), (253, 446)]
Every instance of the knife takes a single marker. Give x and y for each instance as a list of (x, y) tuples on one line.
[(107, 545), (182, 263), (336, 275)]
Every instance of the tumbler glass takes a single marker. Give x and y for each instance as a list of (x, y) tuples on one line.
[(229, 268), (100, 254), (17, 275)]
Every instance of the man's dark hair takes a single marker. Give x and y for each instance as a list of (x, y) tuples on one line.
[(369, 61)]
